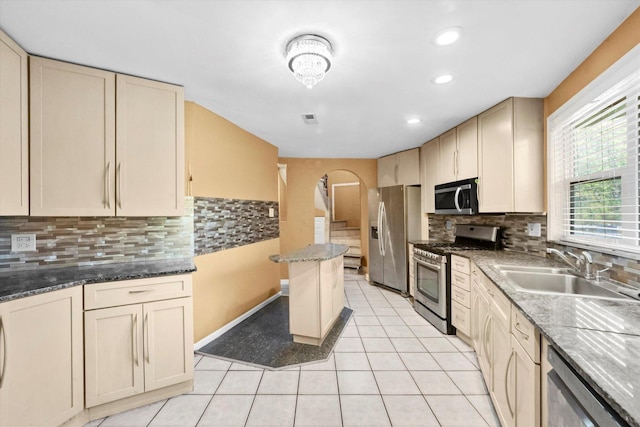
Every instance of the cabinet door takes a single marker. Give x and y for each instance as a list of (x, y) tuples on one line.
[(14, 154), (327, 283), (448, 153), (41, 355), (387, 171), (429, 155), (149, 148), (168, 344), (526, 396), (495, 165), (502, 356), (338, 288), (113, 354), (408, 167), (467, 158), (72, 128)]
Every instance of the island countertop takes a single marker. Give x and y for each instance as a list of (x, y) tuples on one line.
[(321, 252)]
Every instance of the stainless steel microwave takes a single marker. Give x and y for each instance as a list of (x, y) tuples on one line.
[(457, 198)]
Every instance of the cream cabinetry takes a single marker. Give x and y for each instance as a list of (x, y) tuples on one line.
[(138, 337), (510, 162), (429, 174), (402, 168), (41, 380), (80, 166), (461, 294), (412, 272), (508, 348), (316, 298), (14, 140), (459, 152)]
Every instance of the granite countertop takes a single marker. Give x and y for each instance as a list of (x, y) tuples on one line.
[(599, 338), (312, 253), (20, 284)]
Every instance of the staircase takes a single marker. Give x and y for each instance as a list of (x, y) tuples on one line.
[(348, 236)]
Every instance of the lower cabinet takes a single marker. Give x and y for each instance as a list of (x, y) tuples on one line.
[(41, 376), (136, 348), (508, 352)]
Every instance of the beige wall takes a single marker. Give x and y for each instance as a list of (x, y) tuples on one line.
[(302, 177), (346, 199), (228, 162)]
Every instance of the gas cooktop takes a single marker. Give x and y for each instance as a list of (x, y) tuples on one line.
[(468, 238)]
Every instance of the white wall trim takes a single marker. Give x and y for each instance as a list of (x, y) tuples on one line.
[(284, 287), (216, 334)]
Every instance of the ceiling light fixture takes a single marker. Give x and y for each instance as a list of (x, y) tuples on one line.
[(413, 121), (445, 78), (447, 36), (309, 58)]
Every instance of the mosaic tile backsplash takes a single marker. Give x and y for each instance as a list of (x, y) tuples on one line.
[(514, 230), (515, 238), (77, 241), (221, 224)]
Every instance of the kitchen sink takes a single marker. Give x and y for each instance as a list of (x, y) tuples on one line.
[(555, 281), (531, 269)]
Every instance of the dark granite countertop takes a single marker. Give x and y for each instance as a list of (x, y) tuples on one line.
[(599, 338), (20, 284), (312, 253)]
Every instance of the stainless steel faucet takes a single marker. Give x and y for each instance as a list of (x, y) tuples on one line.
[(583, 265)]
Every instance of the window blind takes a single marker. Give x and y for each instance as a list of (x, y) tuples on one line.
[(594, 169)]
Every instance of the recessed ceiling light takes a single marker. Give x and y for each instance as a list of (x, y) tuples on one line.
[(447, 36), (413, 121), (445, 78)]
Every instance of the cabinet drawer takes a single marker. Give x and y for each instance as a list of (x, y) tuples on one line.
[(460, 264), (500, 304), (460, 279), (110, 294), (526, 334), (461, 318), (461, 296)]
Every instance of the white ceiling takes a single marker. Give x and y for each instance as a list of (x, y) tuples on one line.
[(229, 55)]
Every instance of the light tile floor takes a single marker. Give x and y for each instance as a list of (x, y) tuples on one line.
[(389, 368)]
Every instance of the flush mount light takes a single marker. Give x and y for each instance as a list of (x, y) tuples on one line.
[(413, 121), (309, 58), (447, 36), (445, 78)]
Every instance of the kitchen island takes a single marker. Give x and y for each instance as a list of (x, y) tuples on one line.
[(316, 290)]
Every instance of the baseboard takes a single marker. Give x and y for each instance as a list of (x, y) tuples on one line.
[(284, 286), (216, 334)]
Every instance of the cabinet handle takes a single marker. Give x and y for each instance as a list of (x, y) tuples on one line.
[(134, 332), (4, 352), (523, 333), (146, 335), (141, 291), (107, 182), (485, 334), (119, 173), (506, 383)]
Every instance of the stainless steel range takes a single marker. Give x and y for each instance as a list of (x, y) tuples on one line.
[(433, 271)]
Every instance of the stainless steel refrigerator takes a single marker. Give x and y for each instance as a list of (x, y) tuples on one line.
[(394, 220)]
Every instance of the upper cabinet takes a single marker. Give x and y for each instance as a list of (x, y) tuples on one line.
[(429, 174), (459, 152), (402, 168), (80, 167), (14, 154), (510, 163), (149, 148)]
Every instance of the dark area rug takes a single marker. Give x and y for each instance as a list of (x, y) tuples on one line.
[(263, 339)]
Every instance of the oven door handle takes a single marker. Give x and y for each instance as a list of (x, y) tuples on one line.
[(455, 199)]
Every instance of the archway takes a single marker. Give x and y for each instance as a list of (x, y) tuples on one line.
[(338, 215)]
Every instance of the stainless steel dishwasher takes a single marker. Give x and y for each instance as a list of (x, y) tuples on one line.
[(571, 402)]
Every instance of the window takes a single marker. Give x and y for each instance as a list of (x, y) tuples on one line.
[(593, 162)]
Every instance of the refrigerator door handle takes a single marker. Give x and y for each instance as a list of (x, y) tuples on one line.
[(379, 227), (384, 231)]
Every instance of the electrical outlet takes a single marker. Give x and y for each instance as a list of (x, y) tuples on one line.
[(534, 229), (23, 242), (272, 212), (449, 225)]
